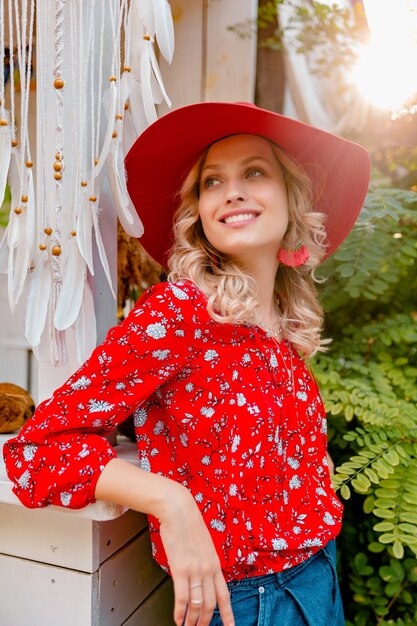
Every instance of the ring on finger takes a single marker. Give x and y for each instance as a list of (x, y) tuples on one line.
[(196, 585), (196, 602)]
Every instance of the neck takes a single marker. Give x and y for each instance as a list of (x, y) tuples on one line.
[(264, 272)]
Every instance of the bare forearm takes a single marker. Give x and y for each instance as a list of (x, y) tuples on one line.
[(123, 483)]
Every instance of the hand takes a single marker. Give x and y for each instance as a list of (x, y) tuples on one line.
[(195, 566)]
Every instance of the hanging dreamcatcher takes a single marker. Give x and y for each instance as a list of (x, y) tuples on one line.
[(100, 98)]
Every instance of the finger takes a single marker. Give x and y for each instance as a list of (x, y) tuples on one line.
[(223, 600), (209, 595), (195, 601), (181, 594)]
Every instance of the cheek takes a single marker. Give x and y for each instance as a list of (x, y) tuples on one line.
[(204, 213)]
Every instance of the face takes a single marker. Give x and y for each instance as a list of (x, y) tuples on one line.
[(243, 201)]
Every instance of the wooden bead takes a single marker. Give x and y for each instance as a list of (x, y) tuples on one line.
[(127, 68), (58, 156), (18, 210), (119, 116), (42, 246), (4, 122), (95, 161), (29, 163), (114, 134), (58, 166), (59, 83), (112, 79), (83, 183), (73, 233), (25, 199), (126, 106), (57, 175), (147, 37), (14, 143), (56, 250), (92, 198), (47, 231)]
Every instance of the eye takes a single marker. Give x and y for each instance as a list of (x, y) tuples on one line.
[(210, 181), (254, 173)]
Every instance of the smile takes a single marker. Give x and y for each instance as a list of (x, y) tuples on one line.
[(239, 217)]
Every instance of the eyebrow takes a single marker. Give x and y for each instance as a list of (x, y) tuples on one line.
[(215, 166)]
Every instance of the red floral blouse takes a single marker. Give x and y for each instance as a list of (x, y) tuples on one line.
[(221, 408)]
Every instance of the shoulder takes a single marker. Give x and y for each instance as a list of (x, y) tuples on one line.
[(179, 301), (179, 294)]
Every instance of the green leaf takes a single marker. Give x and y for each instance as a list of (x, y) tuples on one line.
[(383, 527), (359, 484), (375, 546), (384, 513), (392, 589), (386, 538), (345, 492), (408, 516), (372, 475), (408, 528), (392, 457), (407, 597), (398, 550)]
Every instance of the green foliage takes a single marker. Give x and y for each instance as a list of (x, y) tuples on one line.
[(5, 208), (327, 30), (368, 381)]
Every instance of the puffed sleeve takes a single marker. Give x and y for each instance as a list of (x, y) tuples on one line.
[(59, 454)]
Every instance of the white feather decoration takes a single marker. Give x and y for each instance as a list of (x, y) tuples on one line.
[(125, 210), (164, 28), (85, 326), (15, 184), (136, 30), (71, 293), (129, 132), (4, 253), (5, 154), (38, 298), (110, 128), (18, 230), (18, 257), (30, 212), (85, 231), (101, 249), (158, 78), (135, 106), (145, 81), (144, 10), (16, 273)]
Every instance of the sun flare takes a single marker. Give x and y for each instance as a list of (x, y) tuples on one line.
[(384, 73)]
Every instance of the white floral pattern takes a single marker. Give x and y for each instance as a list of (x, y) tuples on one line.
[(221, 408)]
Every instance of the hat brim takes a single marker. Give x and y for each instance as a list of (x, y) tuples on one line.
[(162, 156)]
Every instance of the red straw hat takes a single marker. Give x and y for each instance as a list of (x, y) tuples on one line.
[(161, 157)]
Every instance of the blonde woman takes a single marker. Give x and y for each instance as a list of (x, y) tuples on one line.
[(241, 205)]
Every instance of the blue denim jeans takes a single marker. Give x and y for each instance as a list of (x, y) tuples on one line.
[(305, 595)]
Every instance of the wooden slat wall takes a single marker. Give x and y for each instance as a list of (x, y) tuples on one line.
[(210, 62)]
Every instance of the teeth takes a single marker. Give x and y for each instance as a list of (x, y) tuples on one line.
[(239, 218)]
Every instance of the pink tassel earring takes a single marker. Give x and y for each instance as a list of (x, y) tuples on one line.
[(292, 252)]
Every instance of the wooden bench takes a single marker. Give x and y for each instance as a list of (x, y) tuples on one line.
[(92, 566)]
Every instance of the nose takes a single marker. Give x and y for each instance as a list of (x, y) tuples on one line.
[(235, 192)]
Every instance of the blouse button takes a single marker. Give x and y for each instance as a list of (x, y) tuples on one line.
[(261, 589)]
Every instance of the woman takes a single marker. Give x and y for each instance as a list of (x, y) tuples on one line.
[(241, 205)]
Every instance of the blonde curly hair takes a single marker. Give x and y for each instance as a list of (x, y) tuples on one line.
[(231, 294)]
